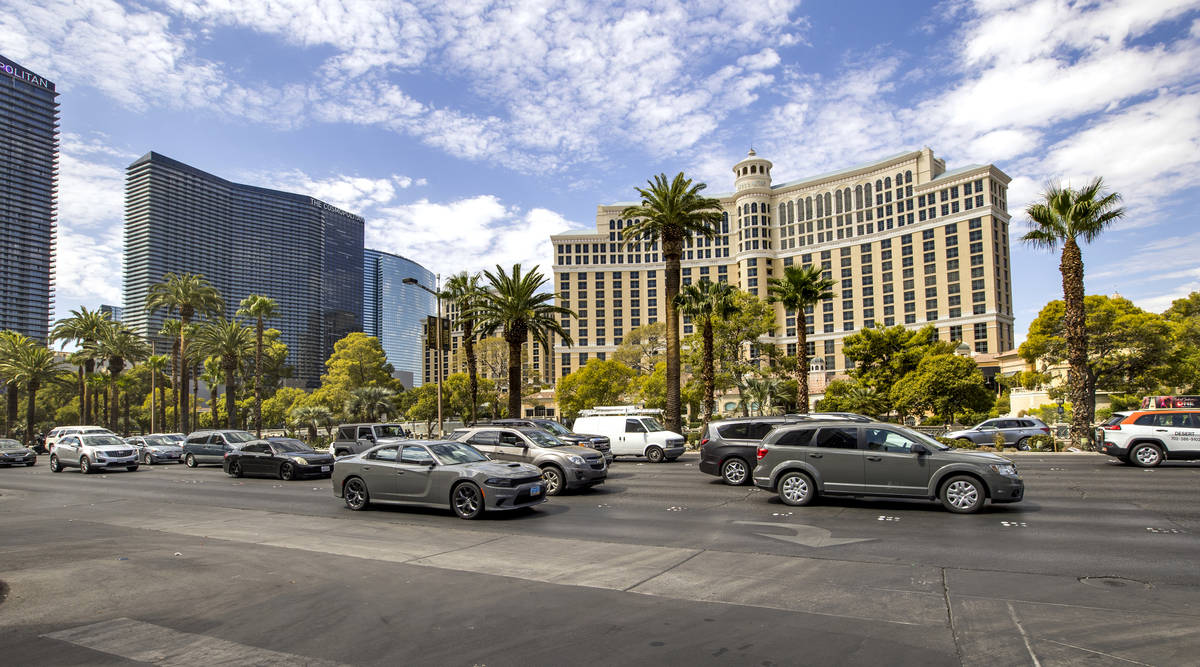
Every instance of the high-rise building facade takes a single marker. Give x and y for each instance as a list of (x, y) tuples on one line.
[(303, 253), (905, 241), (395, 312), (28, 199)]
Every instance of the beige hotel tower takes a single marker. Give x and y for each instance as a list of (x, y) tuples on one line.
[(905, 242)]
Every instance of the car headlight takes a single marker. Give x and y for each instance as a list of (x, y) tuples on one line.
[(299, 459), (1006, 469), (575, 460), (499, 481)]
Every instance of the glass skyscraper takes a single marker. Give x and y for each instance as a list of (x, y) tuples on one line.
[(303, 253), (395, 313), (28, 199)]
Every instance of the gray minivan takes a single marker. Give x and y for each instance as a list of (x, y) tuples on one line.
[(808, 459), (210, 446)]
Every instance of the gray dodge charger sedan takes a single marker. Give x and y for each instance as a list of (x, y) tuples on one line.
[(436, 474)]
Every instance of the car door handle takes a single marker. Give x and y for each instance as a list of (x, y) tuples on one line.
[(399, 472), (1161, 430), (815, 456), (366, 467), (874, 458)]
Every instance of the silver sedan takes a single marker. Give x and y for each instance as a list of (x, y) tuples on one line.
[(436, 474)]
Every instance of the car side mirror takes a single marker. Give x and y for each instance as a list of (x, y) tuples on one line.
[(918, 448)]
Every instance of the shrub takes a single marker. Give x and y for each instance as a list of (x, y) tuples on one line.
[(1041, 443), (998, 441)]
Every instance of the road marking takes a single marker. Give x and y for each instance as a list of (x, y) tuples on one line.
[(1013, 524), (1013, 614), (159, 645), (676, 508), (809, 536), (1168, 531), (884, 517)]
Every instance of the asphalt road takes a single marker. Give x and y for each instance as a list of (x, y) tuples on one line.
[(660, 565)]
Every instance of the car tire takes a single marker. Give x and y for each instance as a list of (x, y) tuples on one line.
[(467, 501), (354, 491), (148, 460), (735, 472), (287, 472), (190, 460), (1023, 445), (654, 454), (963, 494), (55, 464), (235, 469), (132, 468), (1146, 455), (796, 489), (30, 464), (85, 466), (554, 479)]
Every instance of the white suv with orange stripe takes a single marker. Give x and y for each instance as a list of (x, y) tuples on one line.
[(1146, 438)]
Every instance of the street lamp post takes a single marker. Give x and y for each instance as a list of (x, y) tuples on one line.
[(437, 294)]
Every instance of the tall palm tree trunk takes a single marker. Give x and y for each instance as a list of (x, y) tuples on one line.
[(30, 409), (183, 373), (195, 375), (115, 401), (1075, 333), (672, 253), (472, 373), (802, 362), (88, 407), (162, 406), (214, 402), (82, 390), (10, 421), (514, 377), (258, 340), (230, 397), (710, 402), (175, 383)]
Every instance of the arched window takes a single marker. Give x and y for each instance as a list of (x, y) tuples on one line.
[(739, 209), (782, 212), (899, 180), (828, 204), (791, 214), (846, 194), (837, 200), (887, 182), (878, 185), (808, 208), (820, 206), (858, 196), (908, 177), (754, 207), (867, 194)]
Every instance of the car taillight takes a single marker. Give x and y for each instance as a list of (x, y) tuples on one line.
[(704, 442), (1045, 429), (1111, 427), (762, 451)]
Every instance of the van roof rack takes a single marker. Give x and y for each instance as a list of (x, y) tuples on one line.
[(619, 410)]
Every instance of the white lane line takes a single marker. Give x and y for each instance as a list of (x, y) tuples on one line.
[(158, 645), (1013, 614), (1107, 655)]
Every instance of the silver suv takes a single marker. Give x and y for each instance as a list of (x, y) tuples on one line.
[(1016, 431), (804, 460), (92, 452), (563, 466)]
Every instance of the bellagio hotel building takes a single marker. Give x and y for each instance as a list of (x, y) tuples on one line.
[(904, 240)]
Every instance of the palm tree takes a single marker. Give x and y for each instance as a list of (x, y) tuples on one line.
[(117, 345), (170, 329), (371, 402), (30, 364), (668, 214), (10, 342), (189, 294), (311, 416), (260, 308), (84, 327), (705, 301), (515, 306), (211, 377), (464, 291), (1066, 216), (232, 342), (155, 365), (761, 390), (797, 290)]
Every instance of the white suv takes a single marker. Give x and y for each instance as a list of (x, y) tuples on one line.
[(1148, 437), (57, 433), (91, 451)]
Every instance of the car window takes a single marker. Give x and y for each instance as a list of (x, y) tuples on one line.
[(510, 439), (103, 440), (554, 427), (634, 426), (987, 425), (197, 439), (290, 445), (450, 453), (415, 454), (757, 430), (796, 437), (384, 453), (364, 433), (883, 440), (346, 433), (734, 431), (257, 448), (389, 431), (543, 439), (67, 440), (652, 424), (10, 444), (488, 438), (837, 438)]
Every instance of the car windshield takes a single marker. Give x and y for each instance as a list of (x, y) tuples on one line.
[(652, 424), (174, 437), (390, 431), (239, 436), (10, 444), (102, 440), (159, 441), (542, 438), (555, 428), (923, 439), (449, 453), (290, 445)]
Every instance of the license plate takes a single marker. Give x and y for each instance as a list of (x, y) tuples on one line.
[(534, 490), (324, 468)]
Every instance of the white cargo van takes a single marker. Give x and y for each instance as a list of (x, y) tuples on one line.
[(632, 431)]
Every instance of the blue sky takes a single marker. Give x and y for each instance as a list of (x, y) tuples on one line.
[(468, 132)]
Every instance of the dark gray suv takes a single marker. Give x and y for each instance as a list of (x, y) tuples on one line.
[(1016, 432), (808, 459), (729, 447)]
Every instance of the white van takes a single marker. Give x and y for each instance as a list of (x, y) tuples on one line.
[(631, 432)]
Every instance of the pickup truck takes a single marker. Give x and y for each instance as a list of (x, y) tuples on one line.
[(356, 438)]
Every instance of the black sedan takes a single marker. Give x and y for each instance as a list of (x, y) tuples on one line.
[(14, 453), (285, 458)]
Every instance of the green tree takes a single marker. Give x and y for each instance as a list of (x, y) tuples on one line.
[(458, 398), (190, 295), (358, 360), (464, 291), (212, 376), (651, 390), (371, 403), (799, 289), (84, 327), (883, 356), (424, 405), (312, 417), (516, 307), (232, 342), (670, 213), (29, 364), (118, 345), (706, 302), (762, 391), (1066, 216), (599, 382), (944, 384), (171, 330), (643, 347), (259, 308), (732, 336), (156, 365), (1184, 318), (10, 342), (852, 396), (277, 407)]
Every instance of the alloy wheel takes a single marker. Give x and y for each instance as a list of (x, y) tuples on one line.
[(962, 494), (734, 471), (467, 503)]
